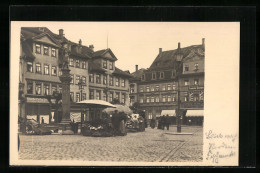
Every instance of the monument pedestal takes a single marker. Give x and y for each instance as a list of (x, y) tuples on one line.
[(65, 127)]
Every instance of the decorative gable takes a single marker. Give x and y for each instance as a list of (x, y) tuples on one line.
[(108, 55), (46, 39)]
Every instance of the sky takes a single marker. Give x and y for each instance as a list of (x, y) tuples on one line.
[(133, 43)]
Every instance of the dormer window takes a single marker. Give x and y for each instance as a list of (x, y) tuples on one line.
[(38, 48), (186, 68), (196, 66), (45, 50), (143, 77), (53, 52), (105, 64), (153, 75), (111, 66), (162, 75)]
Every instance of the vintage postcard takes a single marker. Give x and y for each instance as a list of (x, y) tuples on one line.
[(124, 93)]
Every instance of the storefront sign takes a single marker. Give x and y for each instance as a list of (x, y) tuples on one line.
[(194, 104), (38, 100), (194, 87)]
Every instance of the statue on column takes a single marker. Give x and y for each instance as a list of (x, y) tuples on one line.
[(64, 56)]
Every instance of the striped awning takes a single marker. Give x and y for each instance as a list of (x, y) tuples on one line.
[(168, 112), (194, 113)]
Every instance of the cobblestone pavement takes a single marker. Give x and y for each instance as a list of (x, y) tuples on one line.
[(153, 145)]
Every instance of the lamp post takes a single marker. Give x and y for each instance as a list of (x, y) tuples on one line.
[(179, 118), (81, 88), (65, 81)]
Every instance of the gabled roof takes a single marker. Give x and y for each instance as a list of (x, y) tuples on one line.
[(167, 59), (101, 54), (137, 74), (48, 35), (121, 73)]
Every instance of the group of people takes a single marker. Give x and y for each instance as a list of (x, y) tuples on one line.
[(163, 122)]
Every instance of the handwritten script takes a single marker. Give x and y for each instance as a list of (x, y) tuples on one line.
[(220, 146)]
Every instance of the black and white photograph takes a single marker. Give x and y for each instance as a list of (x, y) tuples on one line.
[(124, 93)]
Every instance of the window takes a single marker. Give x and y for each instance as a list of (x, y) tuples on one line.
[(147, 99), (123, 83), (196, 97), (77, 63), (186, 98), (110, 97), (117, 81), (38, 88), (38, 68), (46, 69), (72, 79), (141, 89), (163, 98), (141, 100), (163, 87), (83, 78), (147, 89), (77, 97), (29, 67), (46, 89), (152, 99), (98, 78), (143, 77), (157, 99), (173, 73), (105, 64), (196, 81), (45, 50), (174, 99), (169, 99), (186, 82), (84, 64), (104, 96), (152, 88), (60, 72), (77, 80), (38, 48), (123, 98), (196, 66), (186, 67), (174, 86), (162, 75), (84, 96), (111, 81), (29, 87), (105, 79), (98, 95), (71, 62), (169, 87), (110, 65), (117, 96), (72, 96), (53, 88), (60, 89), (53, 52), (53, 70), (91, 77), (157, 88), (153, 75), (132, 90), (91, 94)]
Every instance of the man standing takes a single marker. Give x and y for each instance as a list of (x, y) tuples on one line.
[(163, 121), (167, 122)]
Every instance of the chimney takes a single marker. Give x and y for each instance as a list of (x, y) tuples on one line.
[(203, 42), (61, 33), (80, 42), (179, 45), (91, 47), (160, 50), (136, 67)]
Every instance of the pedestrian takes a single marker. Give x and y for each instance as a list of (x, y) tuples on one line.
[(42, 120), (167, 122), (163, 121)]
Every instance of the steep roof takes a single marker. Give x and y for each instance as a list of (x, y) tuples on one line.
[(102, 53), (137, 74), (167, 59), (121, 73)]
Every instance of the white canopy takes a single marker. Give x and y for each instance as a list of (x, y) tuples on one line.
[(119, 108), (194, 113), (168, 112), (97, 102)]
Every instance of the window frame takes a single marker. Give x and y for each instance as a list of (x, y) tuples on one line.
[(122, 83), (104, 79), (169, 87), (91, 94), (111, 80), (153, 75), (111, 67), (186, 67), (98, 78), (91, 78), (84, 64), (46, 87), (196, 83), (105, 64), (77, 63), (53, 50), (36, 87), (77, 97), (72, 78), (36, 50), (31, 65), (123, 97), (84, 79), (77, 79), (48, 71), (161, 75), (29, 83), (44, 48), (186, 82), (98, 95), (71, 62), (36, 67), (55, 68)]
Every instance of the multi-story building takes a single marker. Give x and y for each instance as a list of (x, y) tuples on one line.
[(158, 88), (39, 73)]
